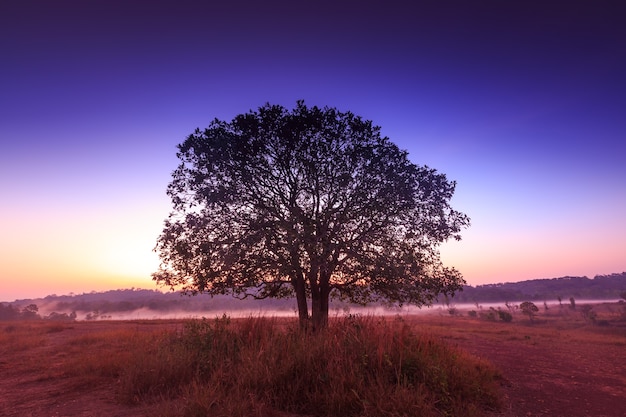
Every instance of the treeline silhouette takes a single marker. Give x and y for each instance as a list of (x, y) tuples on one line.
[(601, 287), (100, 305), (31, 312), (108, 304)]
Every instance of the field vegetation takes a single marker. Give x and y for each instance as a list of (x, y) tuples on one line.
[(565, 359), (359, 366)]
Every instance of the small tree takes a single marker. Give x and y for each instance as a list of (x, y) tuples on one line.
[(623, 295), (529, 308), (310, 202), (30, 312), (572, 303)]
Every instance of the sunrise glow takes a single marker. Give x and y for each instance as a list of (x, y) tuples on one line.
[(523, 108)]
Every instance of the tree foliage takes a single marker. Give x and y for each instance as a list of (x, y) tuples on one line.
[(529, 308), (312, 202)]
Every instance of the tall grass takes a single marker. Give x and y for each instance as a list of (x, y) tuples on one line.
[(19, 336), (259, 366)]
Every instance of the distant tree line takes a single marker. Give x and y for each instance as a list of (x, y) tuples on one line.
[(125, 301), (601, 287), (101, 305), (98, 305), (10, 312)]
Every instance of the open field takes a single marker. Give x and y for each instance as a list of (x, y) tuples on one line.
[(560, 365)]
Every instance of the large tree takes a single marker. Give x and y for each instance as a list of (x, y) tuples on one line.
[(312, 202)]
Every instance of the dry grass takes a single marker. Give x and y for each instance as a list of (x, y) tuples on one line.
[(263, 367), (18, 336), (357, 367)]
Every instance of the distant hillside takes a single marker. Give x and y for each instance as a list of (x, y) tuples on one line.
[(130, 303), (138, 303), (602, 287)]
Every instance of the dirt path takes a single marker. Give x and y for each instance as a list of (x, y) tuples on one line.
[(547, 371)]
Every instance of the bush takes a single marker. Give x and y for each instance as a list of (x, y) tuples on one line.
[(588, 313), (505, 316), (454, 311), (572, 303), (529, 308), (356, 367)]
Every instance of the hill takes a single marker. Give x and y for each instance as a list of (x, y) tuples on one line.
[(140, 303), (601, 287)]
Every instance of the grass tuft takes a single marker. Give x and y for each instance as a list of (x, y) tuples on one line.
[(356, 367)]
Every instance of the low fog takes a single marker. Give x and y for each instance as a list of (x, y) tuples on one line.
[(135, 304)]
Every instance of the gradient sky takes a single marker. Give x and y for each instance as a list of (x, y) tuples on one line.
[(523, 103)]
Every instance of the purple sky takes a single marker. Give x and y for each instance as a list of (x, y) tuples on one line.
[(522, 103)]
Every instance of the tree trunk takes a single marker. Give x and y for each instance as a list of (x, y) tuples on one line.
[(319, 319), (303, 309), (319, 306)]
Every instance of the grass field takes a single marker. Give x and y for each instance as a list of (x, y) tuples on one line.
[(437, 365)]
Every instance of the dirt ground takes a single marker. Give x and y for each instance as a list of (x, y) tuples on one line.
[(549, 369), (33, 382), (556, 366)]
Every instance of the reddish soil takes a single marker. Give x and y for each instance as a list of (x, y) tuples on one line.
[(33, 381), (560, 379), (549, 368)]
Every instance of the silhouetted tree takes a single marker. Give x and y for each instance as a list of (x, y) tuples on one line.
[(30, 312), (54, 316), (529, 308), (311, 202)]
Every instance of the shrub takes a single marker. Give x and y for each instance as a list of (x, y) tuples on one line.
[(356, 367), (529, 308), (489, 315), (588, 314), (505, 316), (572, 303)]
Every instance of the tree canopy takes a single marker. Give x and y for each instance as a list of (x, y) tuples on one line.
[(312, 202), (529, 308)]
